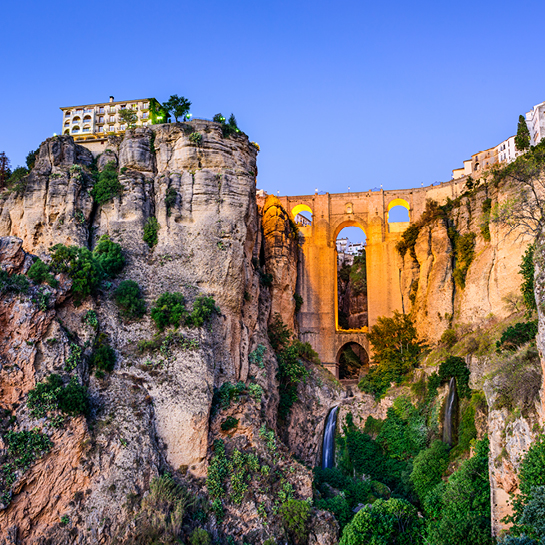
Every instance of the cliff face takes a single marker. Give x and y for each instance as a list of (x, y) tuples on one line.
[(153, 412), (428, 284)]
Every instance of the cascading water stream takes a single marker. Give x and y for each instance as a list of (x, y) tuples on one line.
[(450, 413), (328, 448)]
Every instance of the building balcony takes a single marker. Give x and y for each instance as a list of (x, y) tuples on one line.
[(75, 131)]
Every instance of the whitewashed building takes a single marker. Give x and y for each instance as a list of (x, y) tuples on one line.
[(535, 119)]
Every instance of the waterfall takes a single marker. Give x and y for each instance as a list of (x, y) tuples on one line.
[(450, 413), (328, 448)]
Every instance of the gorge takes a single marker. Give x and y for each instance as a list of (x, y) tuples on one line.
[(165, 380)]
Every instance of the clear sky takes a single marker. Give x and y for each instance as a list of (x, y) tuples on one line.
[(337, 94)]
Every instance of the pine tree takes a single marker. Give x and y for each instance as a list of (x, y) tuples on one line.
[(522, 140), (5, 171)]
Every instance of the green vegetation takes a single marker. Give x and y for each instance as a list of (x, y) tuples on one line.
[(256, 357), (464, 251), (91, 318), (39, 272), (428, 468), (178, 107), (396, 350), (109, 255), (517, 335), (80, 265), (226, 393), (522, 139), (170, 200), (298, 302), (458, 511), (453, 366), (291, 370), (385, 522), (128, 297), (199, 536), (485, 225), (295, 514), (128, 116), (196, 138), (527, 271), (31, 157), (74, 358), (23, 449), (103, 358), (150, 232), (18, 180), (107, 185), (158, 113), (169, 310), (227, 128), (229, 423), (71, 399), (16, 283)]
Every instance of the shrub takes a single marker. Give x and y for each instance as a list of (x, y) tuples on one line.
[(26, 446), (51, 395), (107, 185), (396, 350), (79, 264), (170, 200), (169, 310), (408, 241), (428, 468), (517, 335), (456, 367), (39, 272), (16, 283), (295, 514), (109, 255), (196, 138), (226, 393), (229, 423), (203, 309), (385, 522), (485, 225), (91, 318), (298, 302), (103, 358), (199, 536), (459, 511), (464, 249), (527, 271), (449, 338), (150, 232), (129, 298)]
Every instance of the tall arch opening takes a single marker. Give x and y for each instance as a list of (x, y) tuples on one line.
[(398, 211), (351, 278), (302, 215), (353, 361)]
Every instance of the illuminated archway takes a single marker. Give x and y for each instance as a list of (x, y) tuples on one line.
[(351, 281), (397, 215), (302, 215), (353, 361)]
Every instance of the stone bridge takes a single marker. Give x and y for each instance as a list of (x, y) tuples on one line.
[(317, 275)]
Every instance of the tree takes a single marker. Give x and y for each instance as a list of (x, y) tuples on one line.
[(178, 106), (128, 116), (5, 171), (522, 139), (31, 158)]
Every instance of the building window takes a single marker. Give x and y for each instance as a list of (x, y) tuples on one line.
[(67, 114), (122, 128), (123, 107), (79, 111), (75, 130), (101, 119), (112, 119), (101, 110), (101, 129), (67, 123), (111, 128), (145, 115), (145, 106)]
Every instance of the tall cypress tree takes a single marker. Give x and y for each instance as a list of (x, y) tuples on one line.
[(522, 140)]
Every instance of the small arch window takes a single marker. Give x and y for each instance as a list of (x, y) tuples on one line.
[(302, 215)]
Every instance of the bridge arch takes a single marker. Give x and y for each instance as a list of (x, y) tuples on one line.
[(353, 360), (299, 209), (349, 223), (397, 202)]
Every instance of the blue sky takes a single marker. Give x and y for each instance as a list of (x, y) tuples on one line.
[(337, 94)]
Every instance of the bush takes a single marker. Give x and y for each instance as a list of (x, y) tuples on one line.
[(150, 232), (298, 302), (393, 521), (517, 335), (196, 138), (103, 358), (107, 185), (295, 514), (16, 283), (527, 271), (229, 423), (79, 264), (51, 395), (428, 468), (449, 338), (464, 249), (203, 309), (39, 272), (458, 512), (109, 255), (199, 536), (169, 310), (170, 200), (129, 298), (396, 350), (454, 366)]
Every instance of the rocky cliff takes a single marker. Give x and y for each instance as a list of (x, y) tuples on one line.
[(156, 411)]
